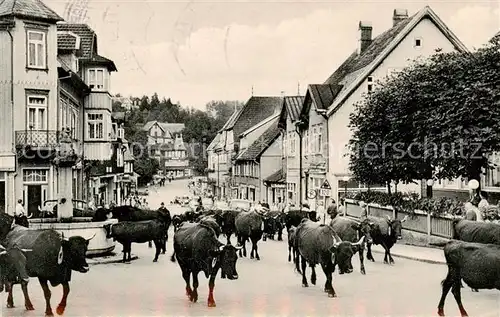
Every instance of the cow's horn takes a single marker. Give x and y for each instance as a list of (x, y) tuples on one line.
[(30, 216), (3, 252), (91, 237), (388, 218), (405, 218), (238, 247), (275, 217), (26, 250), (361, 241), (221, 248), (13, 223)]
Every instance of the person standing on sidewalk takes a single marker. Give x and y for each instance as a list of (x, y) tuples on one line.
[(321, 212), (332, 209), (342, 210), (364, 210)]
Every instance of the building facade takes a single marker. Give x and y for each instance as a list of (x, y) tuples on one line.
[(166, 144), (373, 60)]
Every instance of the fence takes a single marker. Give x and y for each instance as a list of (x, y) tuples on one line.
[(419, 221)]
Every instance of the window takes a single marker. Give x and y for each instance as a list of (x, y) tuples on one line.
[(492, 177), (35, 175), (37, 112), (96, 79), (95, 126), (37, 53), (114, 131), (370, 84), (119, 157), (417, 43)]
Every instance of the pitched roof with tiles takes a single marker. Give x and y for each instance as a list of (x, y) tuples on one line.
[(31, 9), (277, 177), (67, 41), (353, 69), (255, 150), (293, 106), (165, 126), (323, 95), (256, 109), (232, 119), (214, 142)]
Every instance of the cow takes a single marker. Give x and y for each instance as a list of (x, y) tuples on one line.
[(13, 269), (294, 217), (228, 224), (177, 220), (385, 232), (197, 249), (249, 225), (22, 220), (51, 259), (476, 263), (128, 232), (273, 224), (319, 244), (291, 243), (352, 230)]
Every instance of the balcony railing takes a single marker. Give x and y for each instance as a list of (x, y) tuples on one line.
[(38, 138)]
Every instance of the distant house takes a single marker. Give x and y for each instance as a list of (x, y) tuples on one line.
[(125, 102), (374, 59), (166, 144)]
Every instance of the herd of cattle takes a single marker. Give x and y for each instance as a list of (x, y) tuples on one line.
[(473, 255)]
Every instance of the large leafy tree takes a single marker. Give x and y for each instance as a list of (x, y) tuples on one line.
[(437, 118)]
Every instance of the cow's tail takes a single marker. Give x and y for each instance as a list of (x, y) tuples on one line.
[(172, 258)]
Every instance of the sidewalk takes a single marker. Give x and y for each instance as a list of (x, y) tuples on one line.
[(422, 254)]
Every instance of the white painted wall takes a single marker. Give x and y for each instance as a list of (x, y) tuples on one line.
[(270, 161), (339, 133)]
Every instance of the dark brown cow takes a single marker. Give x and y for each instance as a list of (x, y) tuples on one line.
[(476, 263), (385, 232), (249, 225)]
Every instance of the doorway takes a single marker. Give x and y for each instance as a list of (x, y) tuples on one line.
[(2, 196), (33, 199)]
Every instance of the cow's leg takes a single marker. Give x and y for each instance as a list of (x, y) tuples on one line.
[(196, 283), (280, 234), (46, 294), (10, 298), (128, 251), (361, 260), (391, 260), (186, 274), (158, 246), (244, 241), (386, 254), (296, 260), (211, 286), (455, 290), (369, 254), (447, 283), (62, 305), (228, 237), (124, 252), (304, 279), (255, 240), (289, 252), (328, 269), (313, 274), (27, 301)]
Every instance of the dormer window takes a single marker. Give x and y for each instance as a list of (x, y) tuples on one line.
[(370, 84), (417, 43), (97, 79)]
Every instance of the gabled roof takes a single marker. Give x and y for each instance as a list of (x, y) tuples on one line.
[(214, 142), (67, 41), (88, 43), (293, 106), (255, 150), (165, 126), (232, 119), (258, 125), (256, 110), (357, 67), (323, 95), (31, 9), (277, 177)]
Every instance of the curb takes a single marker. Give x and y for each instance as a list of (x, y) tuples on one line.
[(111, 261), (412, 258)]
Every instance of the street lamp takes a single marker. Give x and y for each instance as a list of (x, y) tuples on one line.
[(430, 183), (345, 179), (473, 185)]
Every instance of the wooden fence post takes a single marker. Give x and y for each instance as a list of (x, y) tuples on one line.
[(428, 223)]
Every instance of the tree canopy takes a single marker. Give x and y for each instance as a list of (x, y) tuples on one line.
[(437, 118)]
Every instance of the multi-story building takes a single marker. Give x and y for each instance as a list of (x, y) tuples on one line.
[(374, 59), (166, 144)]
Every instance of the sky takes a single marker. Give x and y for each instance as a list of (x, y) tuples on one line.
[(198, 51)]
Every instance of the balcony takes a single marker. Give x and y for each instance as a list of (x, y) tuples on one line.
[(47, 144), (38, 138)]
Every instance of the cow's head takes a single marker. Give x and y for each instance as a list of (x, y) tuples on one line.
[(107, 228), (74, 251), (226, 257), (342, 252), (365, 228), (395, 227)]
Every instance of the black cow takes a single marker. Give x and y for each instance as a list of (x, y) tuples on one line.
[(22, 220), (385, 232), (273, 224), (319, 244), (51, 259), (128, 232), (228, 224), (249, 225), (177, 220), (197, 249), (352, 230), (294, 218), (291, 243), (476, 263), (13, 268)]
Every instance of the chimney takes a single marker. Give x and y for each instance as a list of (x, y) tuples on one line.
[(399, 15), (366, 35)]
